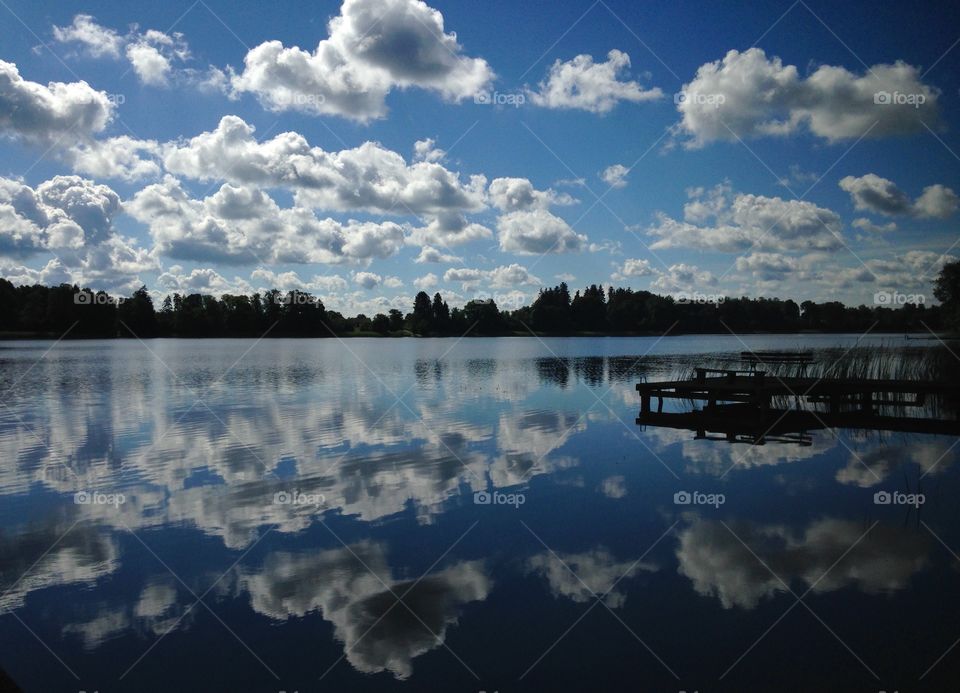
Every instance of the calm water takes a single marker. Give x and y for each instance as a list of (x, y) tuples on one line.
[(302, 515)]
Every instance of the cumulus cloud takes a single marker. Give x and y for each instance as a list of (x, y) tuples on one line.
[(683, 277), (45, 114), (245, 225), (936, 202), (536, 232), (430, 254), (373, 47), (63, 213), (873, 193), (288, 281), (426, 282), (518, 194), (124, 158), (448, 229), (427, 150), (205, 281), (368, 280), (615, 176), (369, 177), (744, 221), (582, 84), (750, 95), (633, 268), (503, 277)]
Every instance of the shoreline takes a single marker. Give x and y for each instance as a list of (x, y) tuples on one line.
[(43, 336)]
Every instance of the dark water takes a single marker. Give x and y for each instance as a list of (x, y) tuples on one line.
[(302, 515)]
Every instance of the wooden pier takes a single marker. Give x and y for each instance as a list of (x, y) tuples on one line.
[(741, 423), (756, 388)]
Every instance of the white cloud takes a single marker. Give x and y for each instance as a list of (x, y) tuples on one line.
[(201, 281), (45, 114), (936, 202), (518, 194), (150, 65), (595, 87), (430, 254), (869, 226), (744, 221), (368, 280), (427, 150), (448, 229), (287, 281), (426, 282), (374, 46), (503, 277), (245, 225), (615, 176), (683, 277), (536, 232), (876, 194), (633, 268), (510, 276), (879, 195), (152, 54), (749, 95), (369, 177), (97, 41), (123, 158), (63, 213)]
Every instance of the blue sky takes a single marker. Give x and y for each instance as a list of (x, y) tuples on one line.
[(227, 147)]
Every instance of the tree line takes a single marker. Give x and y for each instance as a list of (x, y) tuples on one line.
[(41, 310)]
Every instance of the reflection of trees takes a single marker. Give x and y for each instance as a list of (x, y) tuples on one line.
[(719, 565), (353, 589)]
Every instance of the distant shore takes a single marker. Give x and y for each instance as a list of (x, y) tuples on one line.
[(36, 336)]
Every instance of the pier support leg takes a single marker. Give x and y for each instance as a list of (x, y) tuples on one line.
[(645, 403)]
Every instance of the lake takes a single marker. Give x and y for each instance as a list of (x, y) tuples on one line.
[(435, 514)]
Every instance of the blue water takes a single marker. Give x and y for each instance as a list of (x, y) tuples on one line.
[(200, 515)]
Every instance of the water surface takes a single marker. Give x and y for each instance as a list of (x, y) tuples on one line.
[(437, 514)]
